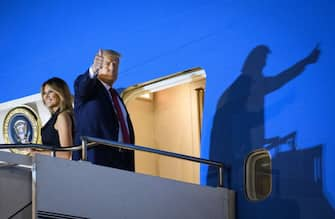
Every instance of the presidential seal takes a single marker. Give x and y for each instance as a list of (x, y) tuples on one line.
[(21, 126)]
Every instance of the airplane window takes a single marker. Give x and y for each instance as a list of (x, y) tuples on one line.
[(258, 177)]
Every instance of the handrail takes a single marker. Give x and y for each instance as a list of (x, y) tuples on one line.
[(89, 142), (4, 164), (86, 140)]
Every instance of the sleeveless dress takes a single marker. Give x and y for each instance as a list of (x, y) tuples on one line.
[(49, 134)]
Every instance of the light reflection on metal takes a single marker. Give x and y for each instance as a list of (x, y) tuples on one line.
[(200, 106), (163, 83)]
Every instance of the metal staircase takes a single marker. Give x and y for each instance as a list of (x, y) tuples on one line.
[(47, 187)]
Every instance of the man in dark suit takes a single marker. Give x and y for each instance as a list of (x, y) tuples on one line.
[(100, 112)]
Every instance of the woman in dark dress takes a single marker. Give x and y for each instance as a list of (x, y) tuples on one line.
[(59, 130)]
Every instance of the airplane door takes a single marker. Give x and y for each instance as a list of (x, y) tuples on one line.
[(167, 115)]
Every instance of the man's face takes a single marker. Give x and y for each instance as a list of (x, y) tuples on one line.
[(109, 71)]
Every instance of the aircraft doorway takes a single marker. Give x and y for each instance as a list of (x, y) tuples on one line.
[(167, 115)]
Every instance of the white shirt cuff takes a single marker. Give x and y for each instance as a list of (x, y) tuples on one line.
[(92, 74)]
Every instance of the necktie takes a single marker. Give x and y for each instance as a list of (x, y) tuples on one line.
[(122, 122)]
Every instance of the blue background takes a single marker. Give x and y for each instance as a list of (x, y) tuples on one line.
[(40, 39)]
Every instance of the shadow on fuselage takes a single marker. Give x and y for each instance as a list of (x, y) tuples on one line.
[(238, 129)]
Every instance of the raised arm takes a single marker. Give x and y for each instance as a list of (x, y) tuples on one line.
[(86, 83), (275, 82), (84, 86)]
